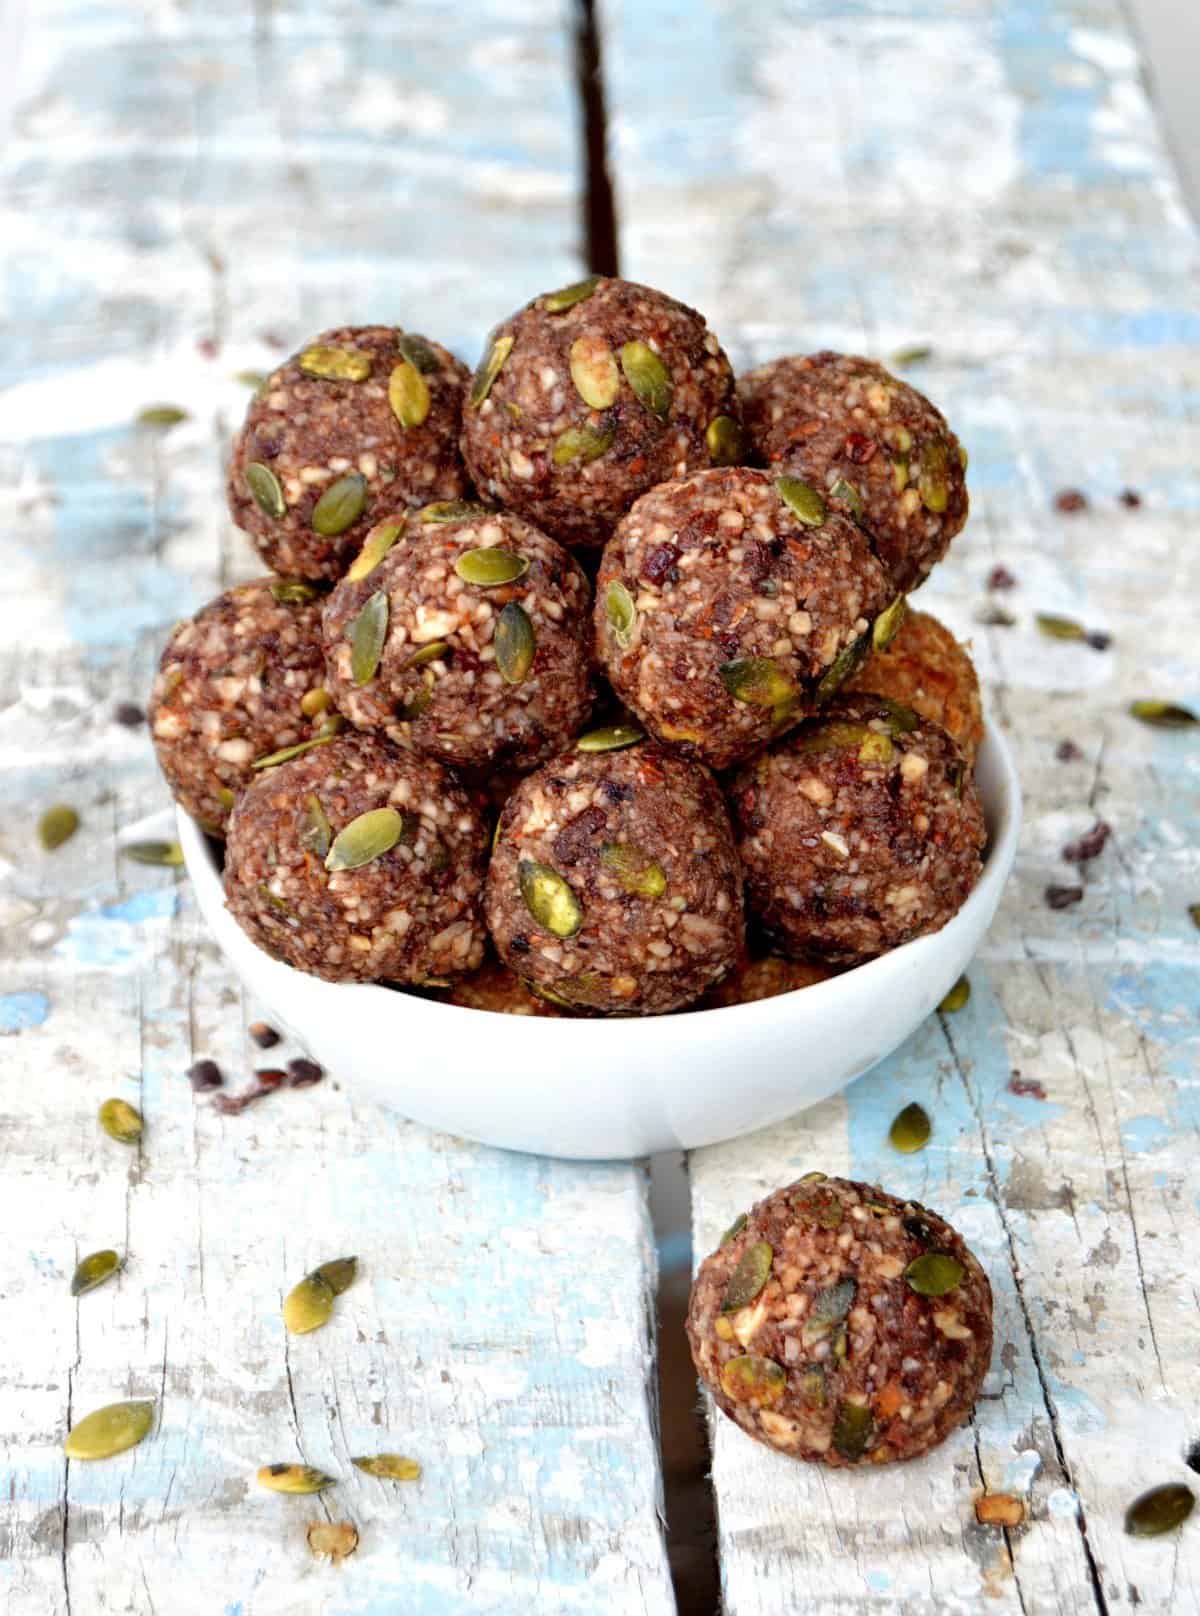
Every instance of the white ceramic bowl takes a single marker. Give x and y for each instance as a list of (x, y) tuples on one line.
[(625, 1087)]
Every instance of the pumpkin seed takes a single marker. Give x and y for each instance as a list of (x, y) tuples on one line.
[(1060, 628), (367, 635), (1163, 714), (225, 797), (167, 854), (293, 591), (585, 443), (612, 738), (365, 839), (594, 371), (726, 441), (848, 660), (805, 504), (567, 296), (417, 705), (824, 1209), (121, 1121), (549, 898), (489, 567), (425, 653), (109, 1430), (875, 748), (1194, 914), (308, 1305), (251, 378), (515, 643), (934, 1273), (56, 826), (620, 611), (831, 735), (339, 1273), (161, 415), (94, 1270), (453, 510), (853, 1430), (812, 1387), (751, 1379), (392, 1466), (636, 870), (749, 1277), (901, 720), (378, 542), (316, 833), (757, 681), (332, 364), (734, 1229), (265, 489), (910, 1130), (490, 367), (887, 625), (932, 482), (1160, 1510), (293, 1478), (831, 1306), (340, 506), (916, 355), (419, 353), (329, 730), (957, 996), (849, 495), (408, 394), (815, 1177), (332, 1540), (649, 378), (313, 703)]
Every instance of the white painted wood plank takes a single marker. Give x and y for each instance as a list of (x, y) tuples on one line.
[(186, 188), (986, 177)]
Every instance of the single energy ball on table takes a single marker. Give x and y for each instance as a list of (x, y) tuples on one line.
[(464, 633), (359, 862), (872, 445), (729, 605), (614, 885), (859, 831), (363, 421), (765, 979), (238, 682), (590, 395), (925, 668), (842, 1325)]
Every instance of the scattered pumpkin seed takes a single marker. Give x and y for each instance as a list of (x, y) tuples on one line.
[(121, 1121), (293, 1478), (339, 1273), (726, 441), (308, 1305), (910, 1129), (293, 591), (379, 541), (490, 367), (734, 1229), (586, 443), (853, 1430), (161, 415), (757, 681), (887, 625), (251, 378), (649, 378), (515, 643), (805, 504), (751, 1379), (332, 364), (316, 833), (749, 1277), (848, 660), (1060, 628), (109, 1430), (94, 1270), (1163, 714), (340, 506), (812, 1387), (567, 296), (620, 611), (168, 854), (957, 996), (549, 898), (453, 510), (932, 483), (419, 353), (329, 730), (849, 495), (365, 839), (831, 1305), (391, 1466), (265, 489), (408, 394), (612, 738), (1160, 1510), (314, 702), (594, 372), (916, 355), (332, 1540), (934, 1273), (367, 636), (57, 825), (1194, 914), (637, 872), (488, 567)]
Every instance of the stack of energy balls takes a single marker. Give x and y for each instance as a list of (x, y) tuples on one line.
[(736, 726)]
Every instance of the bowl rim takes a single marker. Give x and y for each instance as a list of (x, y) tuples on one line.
[(995, 759)]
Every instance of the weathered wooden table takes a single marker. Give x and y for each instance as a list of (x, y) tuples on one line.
[(189, 188)]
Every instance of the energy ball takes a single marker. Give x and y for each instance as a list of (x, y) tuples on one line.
[(614, 885), (765, 979), (465, 634), (872, 445), (925, 668), (729, 605), (241, 680), (590, 395), (842, 1325), (858, 832), (359, 863), (362, 421), (494, 987)]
